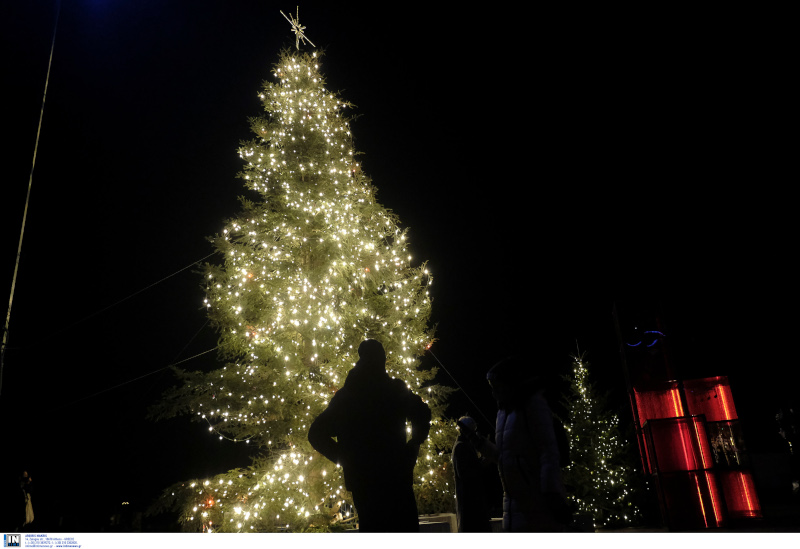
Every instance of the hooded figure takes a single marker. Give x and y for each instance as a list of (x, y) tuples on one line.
[(367, 416), (526, 451)]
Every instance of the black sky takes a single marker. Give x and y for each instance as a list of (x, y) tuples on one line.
[(547, 164)]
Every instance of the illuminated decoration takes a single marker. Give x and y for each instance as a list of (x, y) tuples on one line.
[(711, 397), (692, 500), (312, 266), (680, 444), (599, 473), (688, 433), (741, 498), (659, 402), (653, 337), (694, 448), (297, 29)]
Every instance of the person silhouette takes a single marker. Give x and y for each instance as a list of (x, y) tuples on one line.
[(25, 486), (472, 513), (525, 450), (367, 416)]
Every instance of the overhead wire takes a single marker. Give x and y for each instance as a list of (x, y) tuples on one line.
[(144, 393), (101, 311), (123, 300), (462, 389), (188, 343), (138, 292), (140, 377)]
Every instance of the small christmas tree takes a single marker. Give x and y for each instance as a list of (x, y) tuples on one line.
[(311, 267), (600, 477)]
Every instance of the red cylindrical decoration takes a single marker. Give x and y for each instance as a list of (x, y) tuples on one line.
[(663, 401), (678, 444), (740, 494), (711, 397), (691, 500)]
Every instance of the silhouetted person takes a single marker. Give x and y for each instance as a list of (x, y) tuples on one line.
[(526, 451), (368, 418), (25, 487), (471, 509), (787, 429)]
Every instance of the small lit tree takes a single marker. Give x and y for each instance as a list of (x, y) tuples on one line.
[(600, 476), (311, 267)]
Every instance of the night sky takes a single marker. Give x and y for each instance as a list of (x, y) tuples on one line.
[(547, 164)]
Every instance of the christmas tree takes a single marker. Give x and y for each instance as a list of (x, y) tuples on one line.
[(600, 476), (312, 266)]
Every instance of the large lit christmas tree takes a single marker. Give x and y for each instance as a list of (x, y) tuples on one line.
[(312, 266), (600, 476)]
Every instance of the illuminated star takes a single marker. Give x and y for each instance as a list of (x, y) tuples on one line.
[(297, 29)]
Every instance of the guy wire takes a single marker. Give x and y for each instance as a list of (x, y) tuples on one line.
[(462, 390)]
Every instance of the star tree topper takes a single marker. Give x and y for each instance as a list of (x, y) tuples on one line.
[(297, 29)]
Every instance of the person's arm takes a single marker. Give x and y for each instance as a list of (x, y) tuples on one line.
[(487, 450), (485, 447), (321, 434), (419, 415)]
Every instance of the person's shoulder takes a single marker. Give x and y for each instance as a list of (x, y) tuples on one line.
[(341, 395)]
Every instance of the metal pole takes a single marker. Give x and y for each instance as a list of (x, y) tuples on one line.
[(27, 200)]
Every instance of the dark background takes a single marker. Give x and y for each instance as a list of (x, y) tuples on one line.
[(548, 164)]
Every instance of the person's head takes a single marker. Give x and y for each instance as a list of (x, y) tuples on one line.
[(500, 391), (467, 425), (512, 380), (371, 352)]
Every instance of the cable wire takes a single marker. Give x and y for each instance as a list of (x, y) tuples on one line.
[(145, 393), (96, 313), (140, 377), (140, 291), (462, 389)]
